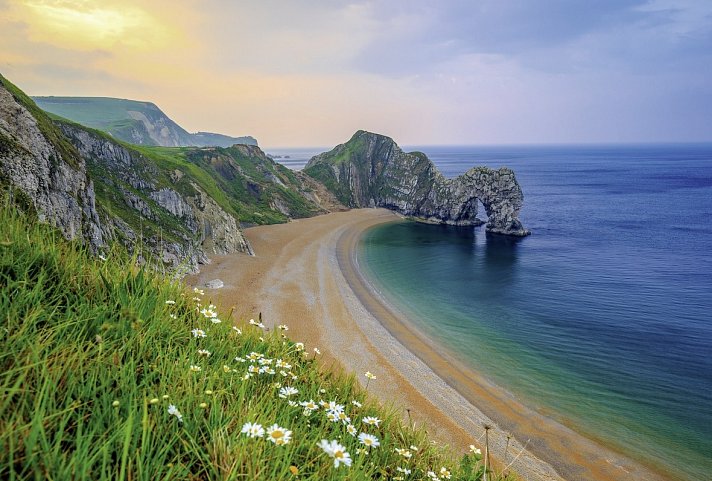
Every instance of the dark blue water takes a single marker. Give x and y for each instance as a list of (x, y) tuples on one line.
[(602, 317)]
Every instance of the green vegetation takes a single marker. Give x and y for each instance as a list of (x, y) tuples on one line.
[(110, 371), (47, 127)]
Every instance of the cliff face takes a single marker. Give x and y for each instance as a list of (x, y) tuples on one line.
[(371, 170), (49, 172), (176, 205)]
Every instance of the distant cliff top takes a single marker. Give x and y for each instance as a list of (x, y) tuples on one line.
[(136, 122)]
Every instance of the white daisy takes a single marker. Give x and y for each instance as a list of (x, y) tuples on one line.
[(278, 435), (253, 430), (368, 440), (336, 451), (285, 392)]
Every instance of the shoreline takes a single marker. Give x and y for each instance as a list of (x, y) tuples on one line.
[(306, 274)]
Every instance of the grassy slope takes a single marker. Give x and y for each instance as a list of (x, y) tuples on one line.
[(92, 355)]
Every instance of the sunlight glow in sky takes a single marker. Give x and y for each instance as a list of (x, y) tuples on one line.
[(311, 72)]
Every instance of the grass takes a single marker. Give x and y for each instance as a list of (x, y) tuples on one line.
[(95, 352)]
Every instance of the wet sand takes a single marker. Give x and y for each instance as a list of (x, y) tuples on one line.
[(305, 274)]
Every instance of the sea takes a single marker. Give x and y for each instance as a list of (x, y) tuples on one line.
[(602, 318)]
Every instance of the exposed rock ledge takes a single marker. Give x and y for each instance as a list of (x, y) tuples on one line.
[(370, 170)]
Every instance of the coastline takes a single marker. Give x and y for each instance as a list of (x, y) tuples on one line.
[(306, 274)]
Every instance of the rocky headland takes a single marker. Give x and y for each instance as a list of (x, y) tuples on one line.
[(370, 170)]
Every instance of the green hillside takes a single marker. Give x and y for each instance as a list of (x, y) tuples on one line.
[(112, 372), (132, 121)]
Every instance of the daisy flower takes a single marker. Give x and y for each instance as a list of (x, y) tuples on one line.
[(310, 405), (237, 329), (404, 452), (474, 450), (299, 346), (445, 473), (283, 327), (173, 411), (373, 421), (170, 302), (336, 451), (351, 429), (253, 430), (198, 333), (368, 440), (195, 368), (369, 375), (204, 352), (278, 435), (356, 403), (285, 392)]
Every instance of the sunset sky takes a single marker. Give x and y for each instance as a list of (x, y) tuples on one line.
[(310, 73)]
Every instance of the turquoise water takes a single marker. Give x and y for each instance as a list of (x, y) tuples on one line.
[(601, 318)]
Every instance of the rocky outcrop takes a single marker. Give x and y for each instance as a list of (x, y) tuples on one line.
[(53, 177), (370, 170), (94, 189)]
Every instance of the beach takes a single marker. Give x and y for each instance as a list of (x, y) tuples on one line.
[(305, 274)]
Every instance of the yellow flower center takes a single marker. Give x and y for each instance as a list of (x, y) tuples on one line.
[(338, 454)]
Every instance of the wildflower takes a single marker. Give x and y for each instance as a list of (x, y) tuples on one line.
[(253, 430), (254, 356), (203, 405), (362, 451), (278, 435), (197, 299), (165, 396), (253, 369), (153, 401), (322, 391), (299, 346), (344, 418), (404, 452), (474, 450), (282, 364), (316, 351), (173, 411), (195, 368), (240, 359), (351, 429), (283, 327), (332, 416), (294, 470), (369, 375), (433, 476), (247, 376), (237, 329), (445, 473), (264, 361), (373, 421), (204, 352), (208, 392), (258, 324), (115, 404), (334, 407), (336, 451), (172, 316), (200, 292), (215, 320), (198, 333), (356, 403), (102, 257), (226, 368), (285, 392), (405, 471), (368, 440), (310, 405), (293, 403), (413, 448), (170, 302)]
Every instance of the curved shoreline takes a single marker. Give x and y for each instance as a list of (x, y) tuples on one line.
[(307, 272)]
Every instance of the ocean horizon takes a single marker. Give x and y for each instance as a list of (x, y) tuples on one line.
[(598, 320)]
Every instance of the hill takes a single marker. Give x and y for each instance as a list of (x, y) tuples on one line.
[(176, 205), (141, 123)]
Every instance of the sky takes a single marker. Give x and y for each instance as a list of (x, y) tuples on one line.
[(312, 72)]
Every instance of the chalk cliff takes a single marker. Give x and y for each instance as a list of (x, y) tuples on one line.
[(370, 170)]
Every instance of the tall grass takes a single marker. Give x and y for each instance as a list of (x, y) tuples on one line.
[(93, 352)]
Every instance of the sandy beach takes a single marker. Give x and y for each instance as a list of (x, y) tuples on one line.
[(305, 274)]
